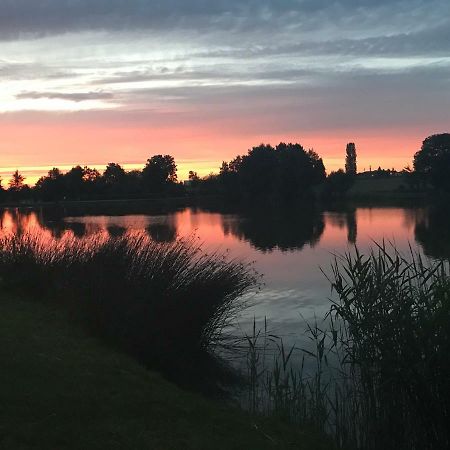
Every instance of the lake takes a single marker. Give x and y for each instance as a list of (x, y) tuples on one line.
[(288, 248)]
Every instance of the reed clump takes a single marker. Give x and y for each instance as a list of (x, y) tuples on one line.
[(377, 375), (165, 303)]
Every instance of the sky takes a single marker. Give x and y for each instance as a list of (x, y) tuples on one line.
[(95, 81)]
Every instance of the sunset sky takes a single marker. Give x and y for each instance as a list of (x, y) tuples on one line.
[(93, 81)]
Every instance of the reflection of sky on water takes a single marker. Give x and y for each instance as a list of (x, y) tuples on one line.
[(288, 249)]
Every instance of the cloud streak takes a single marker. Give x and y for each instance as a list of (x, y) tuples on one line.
[(71, 96)]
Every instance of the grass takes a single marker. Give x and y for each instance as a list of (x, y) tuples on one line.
[(164, 303), (377, 374), (62, 389)]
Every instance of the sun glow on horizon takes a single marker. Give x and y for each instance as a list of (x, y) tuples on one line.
[(79, 87)]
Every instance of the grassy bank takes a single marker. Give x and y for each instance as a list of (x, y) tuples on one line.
[(60, 389), (163, 303)]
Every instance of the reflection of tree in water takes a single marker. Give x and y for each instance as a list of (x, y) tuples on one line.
[(282, 229), (432, 231), (17, 221), (53, 221), (352, 226), (345, 218), (115, 230), (78, 229), (163, 231)]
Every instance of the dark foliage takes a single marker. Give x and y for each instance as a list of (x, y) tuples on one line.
[(158, 177), (350, 159), (158, 172), (284, 172), (432, 161), (396, 316), (337, 184), (164, 303)]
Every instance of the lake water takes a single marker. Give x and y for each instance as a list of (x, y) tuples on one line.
[(288, 248)]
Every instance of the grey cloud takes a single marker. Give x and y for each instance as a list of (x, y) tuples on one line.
[(72, 96), (417, 99), (430, 42), (31, 71), (30, 17), (224, 74)]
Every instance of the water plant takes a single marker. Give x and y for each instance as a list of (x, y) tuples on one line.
[(165, 303), (377, 375)]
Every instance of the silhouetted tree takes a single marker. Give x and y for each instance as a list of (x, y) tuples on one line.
[(193, 176), (51, 187), (432, 161), (90, 175), (2, 191), (284, 172), (16, 183), (114, 174), (337, 184), (73, 181), (158, 172), (350, 159)]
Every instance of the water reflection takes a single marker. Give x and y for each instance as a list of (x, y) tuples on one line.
[(288, 247), (17, 221), (286, 230), (345, 217), (432, 231), (164, 231), (52, 220), (115, 230), (266, 231)]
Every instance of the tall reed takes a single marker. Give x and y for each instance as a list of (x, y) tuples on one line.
[(378, 373), (165, 303)]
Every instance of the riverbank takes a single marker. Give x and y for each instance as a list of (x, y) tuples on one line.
[(60, 389)]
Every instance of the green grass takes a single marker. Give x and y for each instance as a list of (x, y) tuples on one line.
[(60, 389)]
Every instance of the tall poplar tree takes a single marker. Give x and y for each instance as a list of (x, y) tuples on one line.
[(350, 159)]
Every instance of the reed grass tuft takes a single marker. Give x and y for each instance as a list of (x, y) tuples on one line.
[(165, 303)]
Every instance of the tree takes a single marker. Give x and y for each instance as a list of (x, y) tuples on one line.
[(16, 183), (337, 184), (51, 187), (432, 161), (113, 174), (350, 159), (90, 175), (193, 176), (159, 171), (284, 172)]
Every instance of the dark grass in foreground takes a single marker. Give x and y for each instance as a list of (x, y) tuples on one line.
[(377, 375), (60, 389), (164, 303)]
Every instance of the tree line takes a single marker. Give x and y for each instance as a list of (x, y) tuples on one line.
[(284, 172)]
